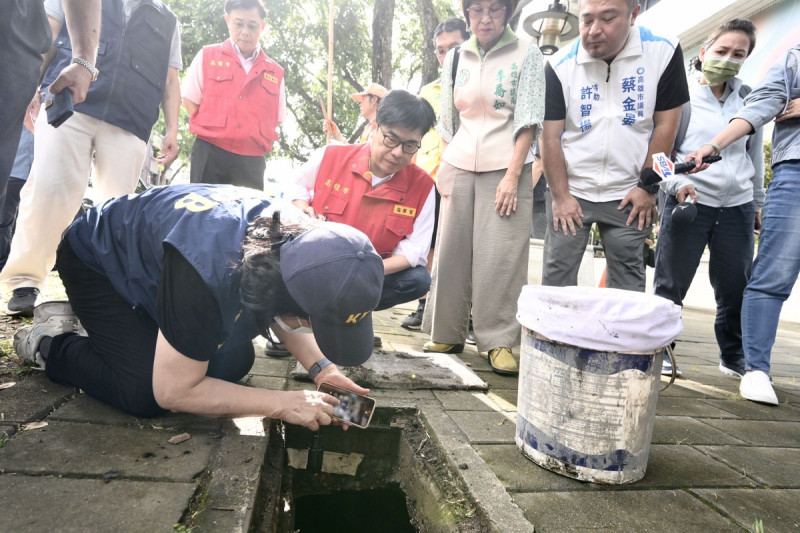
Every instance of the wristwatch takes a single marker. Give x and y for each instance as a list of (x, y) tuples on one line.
[(652, 189), (317, 367), (91, 68)]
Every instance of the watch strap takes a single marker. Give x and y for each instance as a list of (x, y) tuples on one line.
[(652, 189), (317, 367)]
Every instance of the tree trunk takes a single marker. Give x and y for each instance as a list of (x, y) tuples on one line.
[(429, 20), (382, 17)]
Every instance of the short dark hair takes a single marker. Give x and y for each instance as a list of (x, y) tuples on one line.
[(742, 25), (401, 108), (448, 25), (231, 5), (261, 287)]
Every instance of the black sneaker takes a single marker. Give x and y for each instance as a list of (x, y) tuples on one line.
[(414, 320), (22, 301)]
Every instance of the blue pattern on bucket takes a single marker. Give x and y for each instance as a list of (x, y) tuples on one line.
[(602, 363), (615, 461)]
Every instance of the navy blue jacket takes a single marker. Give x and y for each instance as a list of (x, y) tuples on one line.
[(133, 59), (124, 240)]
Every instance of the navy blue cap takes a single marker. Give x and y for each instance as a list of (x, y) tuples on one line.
[(334, 273)]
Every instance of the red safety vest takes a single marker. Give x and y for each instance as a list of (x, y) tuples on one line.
[(239, 111), (343, 193)]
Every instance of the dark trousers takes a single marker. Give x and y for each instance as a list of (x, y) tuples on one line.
[(728, 233), (404, 286), (212, 164), (8, 217), (115, 362), (24, 37)]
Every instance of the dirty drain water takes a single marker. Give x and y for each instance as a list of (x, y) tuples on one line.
[(355, 511)]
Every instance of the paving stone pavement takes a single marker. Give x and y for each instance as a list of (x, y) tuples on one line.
[(717, 462)]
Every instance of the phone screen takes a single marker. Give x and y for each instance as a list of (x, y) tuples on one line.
[(354, 409)]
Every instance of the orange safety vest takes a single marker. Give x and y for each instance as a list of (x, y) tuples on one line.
[(239, 111), (343, 192)]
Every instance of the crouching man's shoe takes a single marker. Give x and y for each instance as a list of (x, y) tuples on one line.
[(438, 347), (49, 319), (23, 301), (502, 362), (756, 387)]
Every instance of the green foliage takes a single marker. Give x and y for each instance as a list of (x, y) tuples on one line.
[(296, 37), (201, 23), (409, 38), (767, 166)]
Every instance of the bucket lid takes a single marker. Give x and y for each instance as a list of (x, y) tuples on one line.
[(611, 320)]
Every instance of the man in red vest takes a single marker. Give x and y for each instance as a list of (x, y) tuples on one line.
[(375, 188), (235, 96)]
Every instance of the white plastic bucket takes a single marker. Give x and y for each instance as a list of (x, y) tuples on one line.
[(586, 414)]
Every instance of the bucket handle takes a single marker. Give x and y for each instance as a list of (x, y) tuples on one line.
[(668, 350)]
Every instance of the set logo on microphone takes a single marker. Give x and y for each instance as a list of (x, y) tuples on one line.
[(663, 166)]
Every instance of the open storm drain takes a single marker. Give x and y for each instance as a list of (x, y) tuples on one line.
[(391, 477)]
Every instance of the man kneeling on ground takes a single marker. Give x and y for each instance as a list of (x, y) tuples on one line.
[(171, 287)]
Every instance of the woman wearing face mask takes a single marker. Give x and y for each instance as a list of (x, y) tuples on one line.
[(728, 195)]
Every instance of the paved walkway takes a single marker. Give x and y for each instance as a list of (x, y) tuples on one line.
[(717, 462)]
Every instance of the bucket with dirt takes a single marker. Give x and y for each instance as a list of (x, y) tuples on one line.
[(590, 366)]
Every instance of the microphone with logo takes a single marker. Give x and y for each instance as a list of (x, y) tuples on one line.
[(682, 214)]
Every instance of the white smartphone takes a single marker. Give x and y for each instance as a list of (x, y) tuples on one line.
[(354, 409)]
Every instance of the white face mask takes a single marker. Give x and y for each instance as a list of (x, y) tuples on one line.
[(285, 327)]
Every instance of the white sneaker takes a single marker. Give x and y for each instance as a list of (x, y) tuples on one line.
[(756, 386), (49, 319)]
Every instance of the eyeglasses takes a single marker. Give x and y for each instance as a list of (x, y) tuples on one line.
[(443, 51), (391, 141), (497, 11)]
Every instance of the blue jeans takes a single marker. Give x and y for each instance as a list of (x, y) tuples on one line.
[(776, 266), (404, 286), (728, 233)]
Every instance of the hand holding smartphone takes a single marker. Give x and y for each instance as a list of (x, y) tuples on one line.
[(59, 107), (353, 409)]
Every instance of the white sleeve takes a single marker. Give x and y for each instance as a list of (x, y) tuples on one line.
[(175, 58), (416, 246), (300, 184), (282, 102), (192, 86)]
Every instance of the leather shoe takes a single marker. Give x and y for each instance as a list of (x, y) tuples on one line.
[(438, 347), (502, 362)]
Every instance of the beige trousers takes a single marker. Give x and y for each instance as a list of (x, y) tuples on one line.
[(62, 161), (480, 260)]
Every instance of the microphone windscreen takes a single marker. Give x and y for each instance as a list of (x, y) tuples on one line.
[(648, 176), (683, 214)]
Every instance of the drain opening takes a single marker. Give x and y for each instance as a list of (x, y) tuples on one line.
[(390, 477), (355, 511)]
